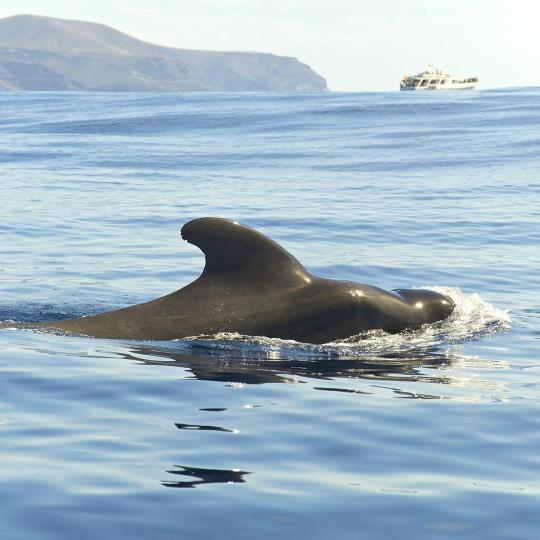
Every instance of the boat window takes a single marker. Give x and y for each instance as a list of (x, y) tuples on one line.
[(455, 81), (443, 81), (434, 81), (424, 82)]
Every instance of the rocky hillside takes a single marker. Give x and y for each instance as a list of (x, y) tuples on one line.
[(43, 53)]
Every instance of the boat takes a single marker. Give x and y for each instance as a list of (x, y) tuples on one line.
[(435, 79)]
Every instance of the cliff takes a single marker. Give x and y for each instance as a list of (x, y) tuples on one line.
[(44, 53)]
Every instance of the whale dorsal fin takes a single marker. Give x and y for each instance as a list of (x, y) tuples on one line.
[(232, 249)]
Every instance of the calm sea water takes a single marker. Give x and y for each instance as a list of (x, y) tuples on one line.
[(429, 435)]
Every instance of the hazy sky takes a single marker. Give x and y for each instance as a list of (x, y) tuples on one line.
[(354, 44)]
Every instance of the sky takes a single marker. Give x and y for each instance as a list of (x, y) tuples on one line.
[(357, 45)]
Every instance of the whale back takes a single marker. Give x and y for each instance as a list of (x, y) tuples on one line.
[(252, 286), (237, 252)]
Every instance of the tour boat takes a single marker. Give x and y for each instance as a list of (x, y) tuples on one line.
[(435, 79)]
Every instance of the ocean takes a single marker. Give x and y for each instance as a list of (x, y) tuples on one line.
[(430, 434)]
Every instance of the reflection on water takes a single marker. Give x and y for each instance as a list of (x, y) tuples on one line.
[(423, 375), (205, 476), (224, 367), (258, 366), (196, 427)]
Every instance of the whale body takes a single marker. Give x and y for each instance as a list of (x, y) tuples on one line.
[(250, 285)]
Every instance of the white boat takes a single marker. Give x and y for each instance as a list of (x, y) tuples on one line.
[(435, 79)]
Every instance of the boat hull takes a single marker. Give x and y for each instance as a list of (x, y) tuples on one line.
[(465, 86)]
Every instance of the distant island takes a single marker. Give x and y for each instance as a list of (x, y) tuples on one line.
[(44, 53)]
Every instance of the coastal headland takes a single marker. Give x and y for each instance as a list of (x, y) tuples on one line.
[(50, 54)]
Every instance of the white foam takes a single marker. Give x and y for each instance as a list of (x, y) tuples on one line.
[(472, 319)]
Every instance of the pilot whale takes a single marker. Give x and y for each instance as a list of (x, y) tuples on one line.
[(252, 286)]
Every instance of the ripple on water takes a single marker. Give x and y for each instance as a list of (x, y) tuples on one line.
[(428, 434)]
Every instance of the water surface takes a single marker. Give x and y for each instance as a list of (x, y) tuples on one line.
[(430, 434)]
